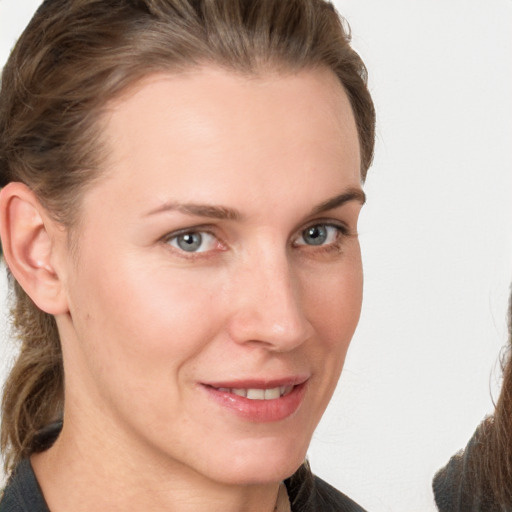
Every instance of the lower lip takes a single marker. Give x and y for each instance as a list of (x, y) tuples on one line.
[(260, 411)]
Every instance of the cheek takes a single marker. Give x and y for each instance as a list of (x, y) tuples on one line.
[(137, 333), (334, 302), (333, 307), (144, 322)]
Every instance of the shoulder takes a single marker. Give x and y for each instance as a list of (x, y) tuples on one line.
[(447, 484), (22, 493), (309, 493)]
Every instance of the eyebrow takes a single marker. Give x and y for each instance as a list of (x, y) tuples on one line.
[(225, 213), (352, 194), (200, 210)]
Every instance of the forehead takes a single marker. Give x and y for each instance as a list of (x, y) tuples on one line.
[(211, 125), (202, 97)]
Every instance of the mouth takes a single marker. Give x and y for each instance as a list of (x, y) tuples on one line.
[(259, 401)]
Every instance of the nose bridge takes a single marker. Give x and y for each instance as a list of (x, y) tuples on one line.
[(270, 309)]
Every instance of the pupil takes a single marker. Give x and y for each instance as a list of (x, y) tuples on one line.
[(315, 235), (190, 242)]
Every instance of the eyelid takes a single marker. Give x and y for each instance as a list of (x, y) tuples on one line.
[(338, 224), (200, 228)]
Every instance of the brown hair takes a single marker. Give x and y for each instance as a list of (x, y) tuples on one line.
[(492, 464), (77, 55), (480, 476)]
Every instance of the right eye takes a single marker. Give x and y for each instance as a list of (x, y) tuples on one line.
[(193, 241)]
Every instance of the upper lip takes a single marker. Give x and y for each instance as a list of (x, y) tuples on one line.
[(259, 383)]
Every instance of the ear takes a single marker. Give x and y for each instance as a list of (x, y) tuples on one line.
[(29, 238)]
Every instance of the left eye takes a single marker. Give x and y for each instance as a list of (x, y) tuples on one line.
[(319, 234), (193, 241)]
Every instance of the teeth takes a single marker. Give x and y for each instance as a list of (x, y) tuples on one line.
[(259, 394), (256, 394), (273, 393), (286, 390)]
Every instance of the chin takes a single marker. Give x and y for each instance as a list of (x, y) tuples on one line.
[(259, 465)]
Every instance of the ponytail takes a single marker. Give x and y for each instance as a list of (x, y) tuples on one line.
[(33, 393)]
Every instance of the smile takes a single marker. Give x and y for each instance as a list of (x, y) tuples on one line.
[(259, 394), (259, 401)]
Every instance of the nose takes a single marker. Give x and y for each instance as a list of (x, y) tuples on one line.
[(268, 309)]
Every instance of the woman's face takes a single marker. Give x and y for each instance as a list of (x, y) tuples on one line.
[(217, 280)]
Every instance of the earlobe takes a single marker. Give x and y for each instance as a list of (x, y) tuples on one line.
[(26, 232)]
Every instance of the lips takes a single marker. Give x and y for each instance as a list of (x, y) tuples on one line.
[(258, 401)]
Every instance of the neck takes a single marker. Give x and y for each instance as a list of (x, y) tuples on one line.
[(90, 471)]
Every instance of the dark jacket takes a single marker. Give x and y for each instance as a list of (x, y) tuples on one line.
[(23, 493)]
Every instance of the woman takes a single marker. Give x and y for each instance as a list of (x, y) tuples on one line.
[(479, 478), (181, 186)]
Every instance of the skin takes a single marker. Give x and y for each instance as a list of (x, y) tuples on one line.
[(144, 324)]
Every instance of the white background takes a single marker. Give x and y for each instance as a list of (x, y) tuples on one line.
[(437, 244)]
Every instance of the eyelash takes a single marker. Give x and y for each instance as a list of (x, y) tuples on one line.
[(342, 232)]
